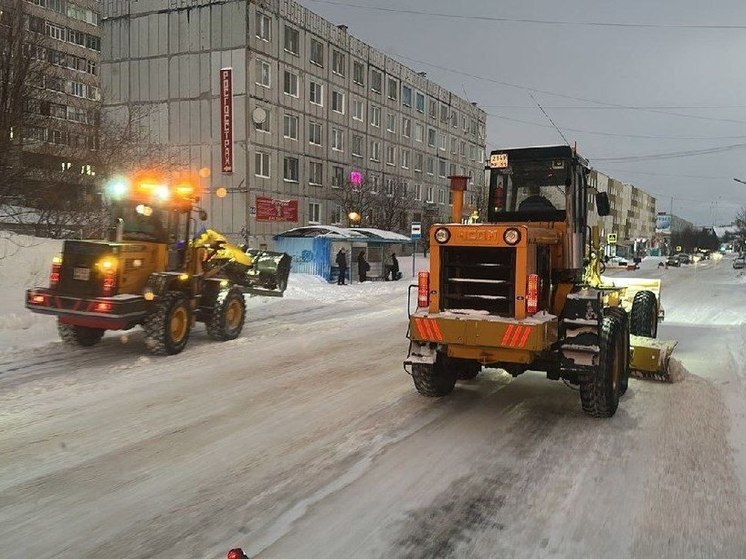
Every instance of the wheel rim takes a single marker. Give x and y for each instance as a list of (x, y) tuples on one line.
[(178, 325), (233, 314)]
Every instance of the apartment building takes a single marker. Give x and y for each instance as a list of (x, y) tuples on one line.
[(281, 107), (59, 134), (633, 216)]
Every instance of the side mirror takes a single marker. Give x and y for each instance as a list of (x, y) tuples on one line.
[(202, 215), (602, 204)]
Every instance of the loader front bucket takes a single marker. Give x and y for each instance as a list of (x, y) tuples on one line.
[(269, 273), (649, 358)]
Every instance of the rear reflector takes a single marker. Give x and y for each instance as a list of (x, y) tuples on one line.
[(103, 307), (423, 289), (40, 299), (532, 294)]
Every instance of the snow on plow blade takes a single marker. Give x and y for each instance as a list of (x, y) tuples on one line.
[(267, 275), (650, 357), (630, 288)]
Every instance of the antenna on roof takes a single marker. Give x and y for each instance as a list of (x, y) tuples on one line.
[(550, 119)]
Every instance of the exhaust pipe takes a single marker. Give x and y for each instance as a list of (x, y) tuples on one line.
[(458, 187)]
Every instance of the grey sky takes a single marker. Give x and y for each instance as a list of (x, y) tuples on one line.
[(697, 72)]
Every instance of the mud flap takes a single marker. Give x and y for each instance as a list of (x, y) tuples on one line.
[(420, 353), (579, 331)]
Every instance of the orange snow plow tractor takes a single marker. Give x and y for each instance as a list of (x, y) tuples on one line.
[(513, 293), (152, 271)]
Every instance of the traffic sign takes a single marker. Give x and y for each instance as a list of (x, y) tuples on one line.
[(416, 232), (611, 238)]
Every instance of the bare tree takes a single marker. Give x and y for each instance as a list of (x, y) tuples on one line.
[(356, 198), (393, 206), (741, 221)]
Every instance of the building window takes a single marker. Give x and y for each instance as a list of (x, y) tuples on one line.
[(454, 145), (419, 100), (431, 137), (442, 168), (338, 63), (291, 39), (358, 109), (462, 149), (444, 114), (263, 27), (430, 166), (263, 73), (443, 142), (55, 31), (419, 132), (406, 95), (77, 89), (316, 94), (405, 154), (317, 53), (336, 215), (418, 158), (433, 109), (316, 173), (441, 196), (451, 169), (375, 116), (376, 79), (338, 102), (357, 146), (290, 84), (406, 127), (290, 128), (418, 192), (393, 89), (314, 133), (338, 140), (454, 119), (314, 212), (375, 150), (391, 122), (261, 164), (390, 155), (291, 169), (338, 177), (389, 187), (429, 194), (358, 73)]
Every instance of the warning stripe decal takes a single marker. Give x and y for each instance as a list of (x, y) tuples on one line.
[(438, 335), (525, 336)]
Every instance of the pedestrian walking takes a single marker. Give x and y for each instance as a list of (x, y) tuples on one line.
[(362, 266), (342, 265), (393, 268)]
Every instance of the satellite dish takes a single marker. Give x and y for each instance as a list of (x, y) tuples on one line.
[(259, 115)]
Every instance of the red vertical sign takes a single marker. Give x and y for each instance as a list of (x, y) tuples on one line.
[(226, 119)]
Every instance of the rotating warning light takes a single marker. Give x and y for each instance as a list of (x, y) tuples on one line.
[(117, 187), (221, 192)]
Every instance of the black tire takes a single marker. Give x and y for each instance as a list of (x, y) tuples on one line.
[(82, 336), (434, 380), (599, 391), (168, 324), (621, 315), (228, 315), (644, 315), (466, 370)]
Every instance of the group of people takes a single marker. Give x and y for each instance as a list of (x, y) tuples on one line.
[(363, 267)]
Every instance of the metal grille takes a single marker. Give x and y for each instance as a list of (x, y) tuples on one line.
[(82, 255), (478, 278)]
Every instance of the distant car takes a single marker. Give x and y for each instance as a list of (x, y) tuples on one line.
[(739, 263), (673, 261), (684, 258)]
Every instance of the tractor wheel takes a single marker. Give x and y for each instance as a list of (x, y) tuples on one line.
[(228, 315), (168, 324), (623, 319), (644, 316), (79, 335), (599, 390), (466, 370), (435, 379)]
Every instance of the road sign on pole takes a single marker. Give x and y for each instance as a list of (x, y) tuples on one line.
[(416, 230)]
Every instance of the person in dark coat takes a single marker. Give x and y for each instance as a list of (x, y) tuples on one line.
[(342, 264), (362, 266), (394, 267)]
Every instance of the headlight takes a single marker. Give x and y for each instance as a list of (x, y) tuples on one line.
[(512, 236), (442, 235)]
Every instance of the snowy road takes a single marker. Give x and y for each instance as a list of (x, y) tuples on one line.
[(304, 438)]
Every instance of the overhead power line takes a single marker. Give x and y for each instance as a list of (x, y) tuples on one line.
[(532, 21), (672, 155)]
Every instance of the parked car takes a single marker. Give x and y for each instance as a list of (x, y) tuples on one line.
[(739, 263), (684, 258), (673, 260)]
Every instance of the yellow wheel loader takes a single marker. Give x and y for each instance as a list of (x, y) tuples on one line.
[(514, 292), (151, 272)]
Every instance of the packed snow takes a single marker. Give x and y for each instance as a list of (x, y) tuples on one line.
[(305, 438)]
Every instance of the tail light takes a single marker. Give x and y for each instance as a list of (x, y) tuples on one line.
[(110, 282), (236, 554), (54, 275), (532, 294), (423, 289)]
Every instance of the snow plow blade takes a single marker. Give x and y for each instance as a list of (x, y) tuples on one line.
[(267, 275), (649, 358)]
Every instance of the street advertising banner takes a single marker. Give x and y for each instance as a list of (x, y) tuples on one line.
[(663, 223), (271, 209), (226, 119)]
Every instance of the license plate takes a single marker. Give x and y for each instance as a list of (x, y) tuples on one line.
[(83, 274)]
